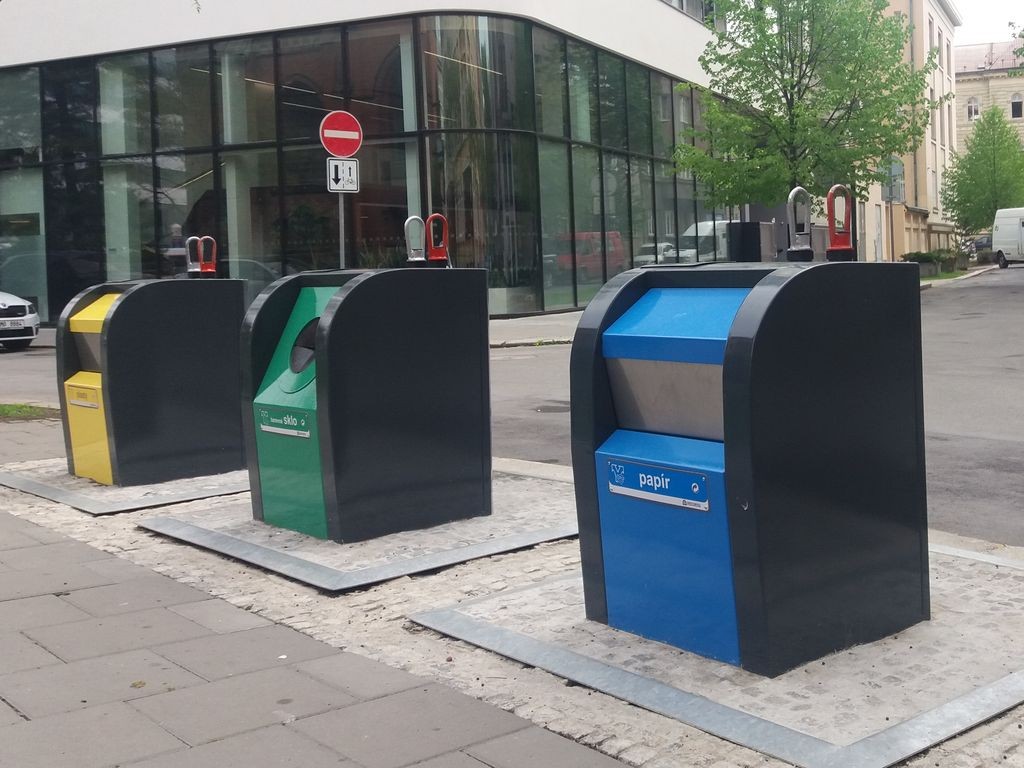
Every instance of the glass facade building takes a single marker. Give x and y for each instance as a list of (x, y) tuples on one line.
[(551, 159)]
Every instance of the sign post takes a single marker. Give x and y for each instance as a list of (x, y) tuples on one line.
[(341, 135)]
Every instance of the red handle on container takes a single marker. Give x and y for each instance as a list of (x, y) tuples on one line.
[(207, 255), (437, 251), (839, 233)]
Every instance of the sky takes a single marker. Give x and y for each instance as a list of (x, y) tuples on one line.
[(985, 20)]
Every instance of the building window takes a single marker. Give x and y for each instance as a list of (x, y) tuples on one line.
[(1016, 106), (973, 108), (939, 51)]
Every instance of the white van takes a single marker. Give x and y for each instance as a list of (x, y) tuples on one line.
[(705, 238), (1008, 236)]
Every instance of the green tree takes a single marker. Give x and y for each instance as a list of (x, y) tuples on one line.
[(988, 176), (805, 92)]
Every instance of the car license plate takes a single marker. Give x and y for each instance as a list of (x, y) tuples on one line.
[(12, 323)]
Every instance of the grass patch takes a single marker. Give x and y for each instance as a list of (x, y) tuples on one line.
[(22, 412)]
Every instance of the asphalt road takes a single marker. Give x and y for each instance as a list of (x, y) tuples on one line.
[(974, 402)]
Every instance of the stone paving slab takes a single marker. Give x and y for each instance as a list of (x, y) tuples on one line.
[(236, 653), (49, 479), (537, 747), (242, 703), (113, 634), (50, 579), (219, 617), (43, 554), (431, 719), (106, 735), (274, 747), (102, 680), (18, 652), (149, 591), (526, 511), (359, 676), (873, 700), (39, 611)]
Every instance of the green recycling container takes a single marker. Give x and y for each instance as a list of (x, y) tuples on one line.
[(284, 413)]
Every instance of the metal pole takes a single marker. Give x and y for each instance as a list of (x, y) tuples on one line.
[(341, 228)]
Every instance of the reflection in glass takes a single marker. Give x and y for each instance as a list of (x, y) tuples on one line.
[(477, 72), (611, 79), (245, 75), (664, 139), (68, 111), (549, 74), (182, 106), (638, 93), (583, 111), (486, 185), (556, 224), (310, 71), (389, 179), (124, 111), (587, 239), (705, 230), (20, 132), (187, 206), (23, 236), (665, 212), (618, 240), (74, 231), (312, 234), (250, 246), (128, 219), (686, 218), (382, 77), (641, 193)]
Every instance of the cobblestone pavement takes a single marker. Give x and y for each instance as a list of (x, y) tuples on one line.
[(372, 623)]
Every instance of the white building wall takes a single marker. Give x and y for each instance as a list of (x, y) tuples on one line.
[(647, 31)]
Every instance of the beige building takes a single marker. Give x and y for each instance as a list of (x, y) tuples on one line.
[(983, 81), (913, 220)]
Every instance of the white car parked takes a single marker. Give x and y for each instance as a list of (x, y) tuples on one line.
[(19, 322)]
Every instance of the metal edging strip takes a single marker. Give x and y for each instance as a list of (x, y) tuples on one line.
[(96, 507), (704, 714), (330, 579)]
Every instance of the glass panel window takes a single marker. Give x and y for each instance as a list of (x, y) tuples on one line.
[(683, 113), (74, 231), (686, 219), (310, 71), (183, 97), (245, 79), (251, 227), (187, 206), (645, 247), (611, 78), (1016, 106), (702, 236), (587, 239), (477, 72), (69, 110), (583, 110), (661, 92), (638, 99), (486, 185), (549, 74), (20, 133), (23, 237), (665, 212), (389, 192), (973, 108), (556, 224), (618, 240), (312, 232), (124, 111), (382, 77), (128, 219)]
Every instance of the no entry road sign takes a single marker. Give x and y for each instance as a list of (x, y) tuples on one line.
[(341, 134)]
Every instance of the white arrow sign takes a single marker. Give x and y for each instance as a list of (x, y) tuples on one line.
[(342, 174)]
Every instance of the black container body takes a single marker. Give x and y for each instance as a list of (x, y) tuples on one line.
[(403, 395), (169, 359), (824, 452)]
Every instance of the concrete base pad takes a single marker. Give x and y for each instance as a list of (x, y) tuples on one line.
[(49, 479), (870, 706), (526, 511)]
